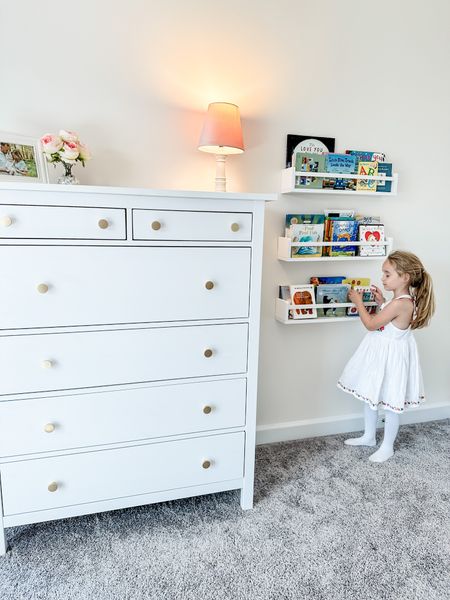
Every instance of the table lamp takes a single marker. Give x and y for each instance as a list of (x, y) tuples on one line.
[(221, 135)]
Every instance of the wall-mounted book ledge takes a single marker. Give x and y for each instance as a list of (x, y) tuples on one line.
[(285, 246), (307, 312), (288, 178)]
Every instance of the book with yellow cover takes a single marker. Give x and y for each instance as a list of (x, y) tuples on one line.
[(367, 168)]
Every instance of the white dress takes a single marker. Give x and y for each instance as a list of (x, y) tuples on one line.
[(385, 370)]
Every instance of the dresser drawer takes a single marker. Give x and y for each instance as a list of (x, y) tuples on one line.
[(191, 225), (59, 423), (45, 286), (35, 363), (109, 474), (61, 222)]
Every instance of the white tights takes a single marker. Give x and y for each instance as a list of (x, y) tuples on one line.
[(386, 450)]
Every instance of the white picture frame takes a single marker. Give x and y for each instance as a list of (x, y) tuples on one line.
[(21, 159)]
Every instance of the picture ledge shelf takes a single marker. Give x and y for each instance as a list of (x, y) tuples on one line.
[(282, 308), (288, 183), (285, 245)]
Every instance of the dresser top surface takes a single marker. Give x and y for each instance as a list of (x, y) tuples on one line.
[(149, 193)]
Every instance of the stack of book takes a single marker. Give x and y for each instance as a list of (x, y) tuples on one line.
[(334, 226), (356, 162)]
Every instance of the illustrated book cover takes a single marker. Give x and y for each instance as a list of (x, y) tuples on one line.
[(371, 233), (340, 163), (307, 143), (384, 169), (302, 295), (367, 168), (342, 230), (367, 156), (367, 296), (332, 294), (305, 228), (308, 163), (326, 280)]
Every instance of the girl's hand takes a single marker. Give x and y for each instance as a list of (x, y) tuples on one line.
[(378, 295), (355, 296)]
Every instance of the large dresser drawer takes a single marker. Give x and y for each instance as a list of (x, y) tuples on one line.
[(65, 422), (57, 361), (46, 286), (94, 476), (61, 222), (191, 225)]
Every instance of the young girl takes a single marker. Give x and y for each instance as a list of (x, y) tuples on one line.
[(385, 369)]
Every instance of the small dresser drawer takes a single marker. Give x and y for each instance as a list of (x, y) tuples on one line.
[(58, 361), (191, 225), (66, 422), (61, 222), (48, 483), (52, 286)]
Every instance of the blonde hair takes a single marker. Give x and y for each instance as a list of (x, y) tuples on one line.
[(420, 285)]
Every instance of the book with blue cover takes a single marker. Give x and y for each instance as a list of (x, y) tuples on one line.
[(343, 231), (332, 294), (385, 169), (367, 156), (305, 228)]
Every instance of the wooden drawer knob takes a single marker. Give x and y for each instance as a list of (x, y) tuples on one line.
[(206, 464), (42, 288), (207, 409), (208, 353), (49, 428), (156, 225), (209, 285), (235, 227), (103, 224), (6, 221), (52, 487), (47, 364)]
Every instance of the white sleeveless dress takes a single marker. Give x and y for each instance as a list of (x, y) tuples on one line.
[(385, 370)]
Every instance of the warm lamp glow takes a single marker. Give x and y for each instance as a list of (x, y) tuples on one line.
[(221, 135)]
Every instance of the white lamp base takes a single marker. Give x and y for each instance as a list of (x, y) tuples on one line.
[(221, 180)]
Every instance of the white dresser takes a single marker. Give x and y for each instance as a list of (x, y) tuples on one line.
[(129, 330)]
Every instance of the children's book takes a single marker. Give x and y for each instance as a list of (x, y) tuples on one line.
[(357, 281), (385, 169), (307, 143), (332, 294), (367, 168), (305, 228), (367, 220), (371, 233), (367, 156), (284, 293), (339, 163), (326, 280), (367, 296), (302, 295), (309, 163), (348, 213), (342, 230)]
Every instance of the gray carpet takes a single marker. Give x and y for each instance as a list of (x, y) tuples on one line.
[(327, 525)]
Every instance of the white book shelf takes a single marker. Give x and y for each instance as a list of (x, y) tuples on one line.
[(285, 246), (282, 308), (288, 183)]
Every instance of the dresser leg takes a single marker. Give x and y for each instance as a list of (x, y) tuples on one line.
[(247, 497)]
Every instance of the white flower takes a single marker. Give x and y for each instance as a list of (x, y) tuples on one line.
[(51, 143), (69, 151), (84, 152), (68, 136)]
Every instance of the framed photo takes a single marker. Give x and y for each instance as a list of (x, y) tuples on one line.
[(21, 159), (307, 143)]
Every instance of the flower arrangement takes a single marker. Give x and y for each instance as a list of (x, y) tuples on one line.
[(67, 149)]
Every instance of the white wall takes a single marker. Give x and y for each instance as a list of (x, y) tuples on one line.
[(134, 79)]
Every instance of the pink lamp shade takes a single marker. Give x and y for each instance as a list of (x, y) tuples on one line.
[(222, 132)]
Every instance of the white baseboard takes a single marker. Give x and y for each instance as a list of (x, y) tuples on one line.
[(297, 430)]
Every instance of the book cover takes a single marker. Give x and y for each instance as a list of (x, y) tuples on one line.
[(357, 281), (332, 294), (326, 280), (307, 143), (367, 296), (367, 168), (308, 163), (349, 213), (340, 163), (284, 293), (343, 231), (305, 228), (367, 220), (384, 169), (367, 156), (371, 233), (302, 295)]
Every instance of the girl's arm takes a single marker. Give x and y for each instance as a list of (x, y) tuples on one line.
[(374, 322)]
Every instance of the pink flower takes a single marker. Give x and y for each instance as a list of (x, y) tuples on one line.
[(68, 136), (69, 151), (51, 143)]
